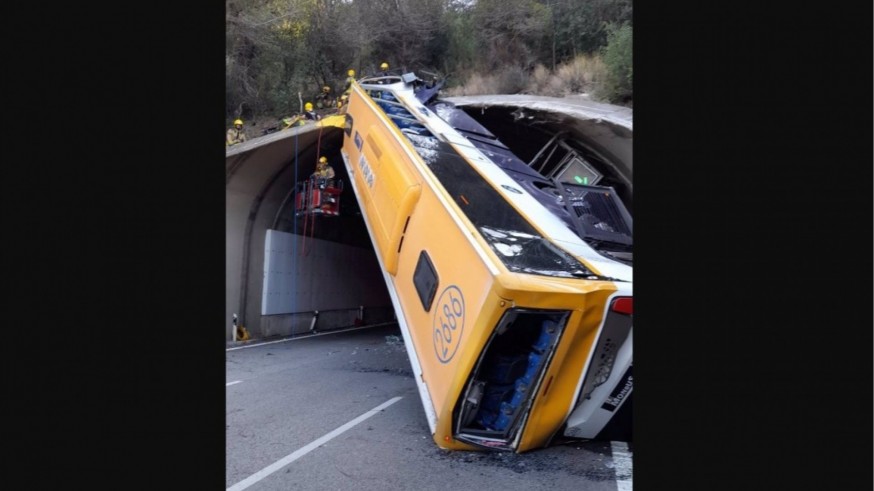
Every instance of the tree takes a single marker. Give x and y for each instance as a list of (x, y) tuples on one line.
[(618, 57), (580, 26), (402, 32), (509, 32), (277, 48)]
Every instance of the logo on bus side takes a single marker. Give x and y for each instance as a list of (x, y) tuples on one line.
[(448, 323)]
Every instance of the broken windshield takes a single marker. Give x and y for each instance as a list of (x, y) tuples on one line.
[(526, 253), (521, 248)]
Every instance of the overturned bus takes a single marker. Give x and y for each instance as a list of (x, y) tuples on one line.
[(511, 281)]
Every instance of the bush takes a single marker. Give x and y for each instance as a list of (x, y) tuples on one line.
[(619, 60), (511, 80), (583, 74), (541, 82), (508, 80)]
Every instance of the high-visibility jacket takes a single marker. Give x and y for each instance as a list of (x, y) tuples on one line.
[(326, 172), (348, 86), (235, 136)]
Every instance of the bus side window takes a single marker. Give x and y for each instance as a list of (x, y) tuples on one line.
[(425, 279)]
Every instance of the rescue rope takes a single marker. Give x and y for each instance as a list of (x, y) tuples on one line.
[(309, 195), (319, 145), (294, 230), (312, 220)]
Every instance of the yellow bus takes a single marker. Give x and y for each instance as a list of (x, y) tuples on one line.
[(518, 329)]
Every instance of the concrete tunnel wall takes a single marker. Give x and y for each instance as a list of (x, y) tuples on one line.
[(260, 175)]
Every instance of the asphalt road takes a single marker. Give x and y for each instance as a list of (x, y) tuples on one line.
[(300, 415)]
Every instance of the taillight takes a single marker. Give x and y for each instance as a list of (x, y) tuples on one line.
[(622, 305)]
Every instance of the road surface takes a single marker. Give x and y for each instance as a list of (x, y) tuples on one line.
[(341, 411)]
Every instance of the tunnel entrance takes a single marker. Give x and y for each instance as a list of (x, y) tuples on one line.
[(286, 275)]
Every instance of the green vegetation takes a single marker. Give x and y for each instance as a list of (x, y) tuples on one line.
[(618, 58), (279, 53)]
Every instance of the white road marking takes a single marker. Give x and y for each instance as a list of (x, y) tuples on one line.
[(279, 464), (622, 465), (307, 336), (232, 383)]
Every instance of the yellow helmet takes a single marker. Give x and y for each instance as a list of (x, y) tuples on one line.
[(323, 160), (351, 73), (238, 122), (384, 66), (308, 106)]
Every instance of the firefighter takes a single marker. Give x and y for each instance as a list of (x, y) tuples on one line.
[(324, 98), (383, 72), (309, 113), (342, 101), (347, 89), (324, 173), (236, 134)]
